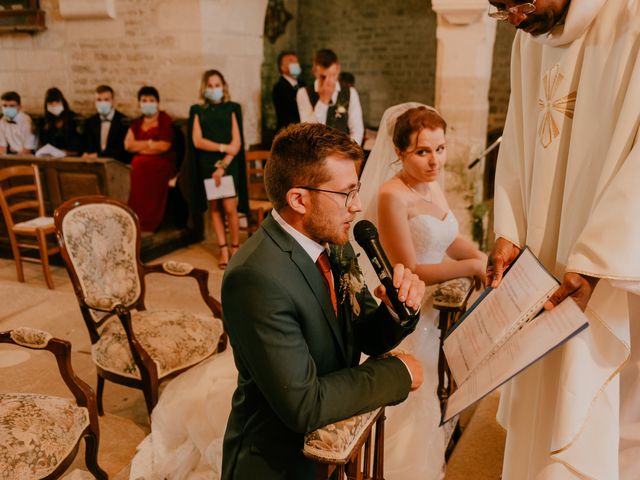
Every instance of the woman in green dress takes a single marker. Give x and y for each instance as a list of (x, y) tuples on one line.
[(216, 137)]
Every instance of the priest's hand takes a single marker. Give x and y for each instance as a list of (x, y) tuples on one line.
[(504, 252), (579, 287), (410, 288)]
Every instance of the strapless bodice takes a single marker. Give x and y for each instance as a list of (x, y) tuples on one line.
[(431, 236)]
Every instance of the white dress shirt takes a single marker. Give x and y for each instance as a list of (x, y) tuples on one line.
[(314, 250), (105, 125), (318, 114), (17, 134)]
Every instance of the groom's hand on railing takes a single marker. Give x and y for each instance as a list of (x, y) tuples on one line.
[(504, 252), (415, 369)]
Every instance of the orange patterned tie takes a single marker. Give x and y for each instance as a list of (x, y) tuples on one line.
[(327, 277)]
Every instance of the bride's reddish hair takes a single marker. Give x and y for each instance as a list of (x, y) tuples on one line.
[(413, 121)]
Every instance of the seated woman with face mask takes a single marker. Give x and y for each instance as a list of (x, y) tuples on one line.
[(59, 127), (150, 140)]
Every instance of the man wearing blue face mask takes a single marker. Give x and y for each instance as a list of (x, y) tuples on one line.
[(16, 128), (105, 131), (284, 92)]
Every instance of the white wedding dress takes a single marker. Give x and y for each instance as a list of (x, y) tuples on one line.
[(414, 441), (188, 424)]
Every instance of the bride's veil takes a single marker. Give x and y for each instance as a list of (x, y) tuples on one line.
[(380, 167)]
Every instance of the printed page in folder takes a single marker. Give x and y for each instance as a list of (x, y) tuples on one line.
[(498, 314), (533, 341)]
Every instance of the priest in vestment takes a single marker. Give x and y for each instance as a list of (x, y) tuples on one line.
[(568, 186)]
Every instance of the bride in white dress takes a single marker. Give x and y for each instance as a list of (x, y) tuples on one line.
[(402, 195)]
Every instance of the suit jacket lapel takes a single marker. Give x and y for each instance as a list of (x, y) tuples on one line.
[(311, 274)]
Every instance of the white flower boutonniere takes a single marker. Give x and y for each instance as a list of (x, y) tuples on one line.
[(340, 110), (351, 279)]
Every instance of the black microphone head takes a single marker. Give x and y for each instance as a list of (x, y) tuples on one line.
[(364, 231)]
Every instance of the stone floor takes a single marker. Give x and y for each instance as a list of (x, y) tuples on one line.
[(125, 422), (477, 456)]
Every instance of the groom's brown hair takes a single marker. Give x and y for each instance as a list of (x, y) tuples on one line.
[(298, 158)]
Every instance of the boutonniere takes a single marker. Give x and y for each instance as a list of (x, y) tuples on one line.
[(351, 279), (340, 110)]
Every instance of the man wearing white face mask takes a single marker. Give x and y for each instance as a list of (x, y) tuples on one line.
[(285, 90), (16, 128), (105, 131)]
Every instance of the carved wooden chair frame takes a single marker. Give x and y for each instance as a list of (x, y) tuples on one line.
[(149, 382), (84, 395)]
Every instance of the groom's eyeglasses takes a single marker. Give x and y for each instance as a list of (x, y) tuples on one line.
[(351, 196), (502, 13)]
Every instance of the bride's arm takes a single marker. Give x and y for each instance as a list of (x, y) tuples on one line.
[(395, 237)]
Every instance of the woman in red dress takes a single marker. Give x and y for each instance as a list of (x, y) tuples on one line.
[(150, 139)]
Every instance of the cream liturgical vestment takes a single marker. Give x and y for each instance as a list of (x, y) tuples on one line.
[(568, 186)]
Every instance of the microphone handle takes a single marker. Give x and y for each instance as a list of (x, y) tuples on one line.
[(383, 269)]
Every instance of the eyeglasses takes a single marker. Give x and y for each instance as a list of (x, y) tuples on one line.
[(504, 13), (351, 196)]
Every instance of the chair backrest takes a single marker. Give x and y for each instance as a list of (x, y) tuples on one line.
[(20, 191), (255, 161), (100, 243)]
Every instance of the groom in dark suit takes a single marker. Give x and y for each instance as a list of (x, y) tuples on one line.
[(104, 132), (296, 318)]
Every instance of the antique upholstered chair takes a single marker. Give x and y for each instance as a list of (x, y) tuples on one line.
[(100, 243), (259, 204), (40, 434), (354, 447), (22, 206)]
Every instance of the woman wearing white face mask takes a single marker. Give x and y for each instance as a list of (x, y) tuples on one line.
[(59, 127), (216, 149), (150, 140)]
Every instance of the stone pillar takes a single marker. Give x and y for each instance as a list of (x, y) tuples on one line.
[(465, 36)]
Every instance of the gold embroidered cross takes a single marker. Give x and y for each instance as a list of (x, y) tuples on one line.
[(549, 129)]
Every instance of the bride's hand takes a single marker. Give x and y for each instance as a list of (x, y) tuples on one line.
[(479, 268)]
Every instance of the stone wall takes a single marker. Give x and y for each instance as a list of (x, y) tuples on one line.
[(390, 47), (500, 75), (165, 43)]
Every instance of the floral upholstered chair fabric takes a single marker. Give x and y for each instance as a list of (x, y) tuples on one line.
[(348, 447), (39, 434), (100, 243)]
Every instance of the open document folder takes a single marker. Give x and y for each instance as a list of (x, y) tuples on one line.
[(504, 332)]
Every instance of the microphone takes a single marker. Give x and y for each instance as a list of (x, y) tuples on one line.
[(366, 235)]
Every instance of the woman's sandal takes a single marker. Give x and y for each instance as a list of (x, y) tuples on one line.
[(222, 265)]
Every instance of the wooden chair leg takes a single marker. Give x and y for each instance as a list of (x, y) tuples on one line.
[(44, 257), (150, 390), (378, 459), (99, 390), (18, 259), (91, 456)]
